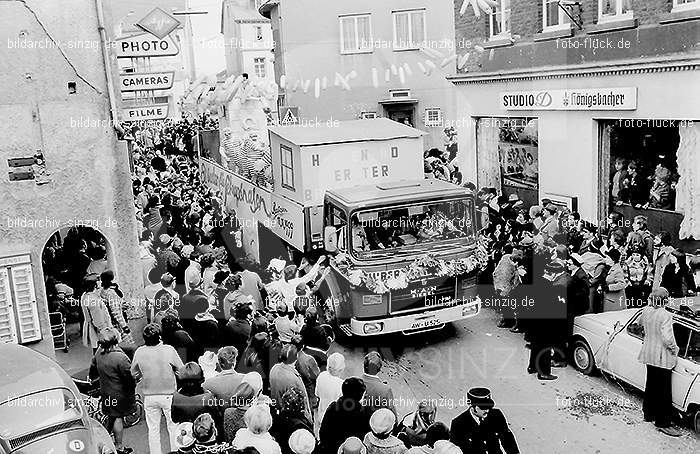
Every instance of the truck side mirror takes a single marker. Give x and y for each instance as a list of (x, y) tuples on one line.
[(330, 239)]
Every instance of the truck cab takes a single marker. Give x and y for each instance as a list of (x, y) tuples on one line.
[(402, 251)]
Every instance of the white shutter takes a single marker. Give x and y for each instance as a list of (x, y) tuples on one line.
[(25, 303), (8, 334)]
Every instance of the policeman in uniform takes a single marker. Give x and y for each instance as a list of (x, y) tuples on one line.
[(482, 429)]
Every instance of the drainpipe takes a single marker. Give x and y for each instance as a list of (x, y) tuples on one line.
[(108, 67)]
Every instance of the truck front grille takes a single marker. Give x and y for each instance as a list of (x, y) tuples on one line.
[(434, 294)]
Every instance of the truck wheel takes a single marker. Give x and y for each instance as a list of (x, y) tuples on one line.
[(583, 358)]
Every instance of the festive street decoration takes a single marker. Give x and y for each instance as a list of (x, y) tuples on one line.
[(424, 266), (486, 6)]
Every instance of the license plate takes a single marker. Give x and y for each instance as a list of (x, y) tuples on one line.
[(428, 323)]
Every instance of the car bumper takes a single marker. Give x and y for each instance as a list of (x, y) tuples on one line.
[(417, 322)]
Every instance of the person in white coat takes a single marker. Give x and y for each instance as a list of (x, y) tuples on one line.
[(329, 386)]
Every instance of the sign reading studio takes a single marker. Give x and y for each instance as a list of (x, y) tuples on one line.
[(620, 98)]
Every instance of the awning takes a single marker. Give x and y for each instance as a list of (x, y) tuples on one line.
[(399, 101)]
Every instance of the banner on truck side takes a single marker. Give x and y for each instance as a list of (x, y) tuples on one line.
[(254, 204)]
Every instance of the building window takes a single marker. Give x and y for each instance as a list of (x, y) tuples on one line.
[(287, 165), (553, 16), (642, 162), (682, 5), (355, 34), (499, 19), (409, 29), (19, 319), (433, 117), (368, 115), (259, 64), (611, 10)]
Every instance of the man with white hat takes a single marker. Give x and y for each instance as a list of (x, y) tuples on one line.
[(380, 440)]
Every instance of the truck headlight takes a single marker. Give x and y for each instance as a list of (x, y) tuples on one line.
[(371, 300), (372, 328)]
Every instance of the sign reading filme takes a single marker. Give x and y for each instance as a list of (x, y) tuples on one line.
[(618, 98), (148, 112), (146, 81), (146, 45)]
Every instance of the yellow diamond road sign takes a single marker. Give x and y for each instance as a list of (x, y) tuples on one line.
[(158, 23)]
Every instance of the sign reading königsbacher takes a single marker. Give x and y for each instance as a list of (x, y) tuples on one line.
[(618, 98)]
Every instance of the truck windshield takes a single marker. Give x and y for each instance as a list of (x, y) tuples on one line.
[(37, 411), (420, 228)]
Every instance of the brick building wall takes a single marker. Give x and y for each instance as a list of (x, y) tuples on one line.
[(654, 32)]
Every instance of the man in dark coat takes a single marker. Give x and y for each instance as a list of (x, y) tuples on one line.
[(346, 417), (379, 393), (482, 429), (237, 330), (548, 320)]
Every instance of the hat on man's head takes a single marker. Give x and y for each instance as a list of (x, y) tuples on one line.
[(165, 239), (552, 208), (554, 267), (527, 241), (302, 442), (513, 198), (352, 445), (382, 421), (480, 397), (276, 265)]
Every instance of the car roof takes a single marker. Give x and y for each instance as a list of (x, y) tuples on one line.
[(400, 191), (25, 371), (366, 130)]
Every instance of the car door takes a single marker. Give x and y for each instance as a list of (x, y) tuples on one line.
[(623, 352), (687, 369)]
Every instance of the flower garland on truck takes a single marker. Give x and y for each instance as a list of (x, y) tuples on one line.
[(423, 266)]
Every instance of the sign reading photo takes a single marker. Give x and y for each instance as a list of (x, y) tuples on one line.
[(619, 98)]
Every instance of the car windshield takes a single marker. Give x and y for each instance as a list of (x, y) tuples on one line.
[(420, 228), (37, 411)]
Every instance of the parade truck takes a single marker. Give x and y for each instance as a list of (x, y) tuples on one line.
[(402, 249)]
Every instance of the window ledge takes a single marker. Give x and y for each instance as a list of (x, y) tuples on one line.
[(680, 16), (609, 26), (405, 49), (548, 34), (498, 41), (356, 52)]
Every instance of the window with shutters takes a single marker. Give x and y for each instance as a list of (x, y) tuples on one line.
[(19, 317), (287, 164)]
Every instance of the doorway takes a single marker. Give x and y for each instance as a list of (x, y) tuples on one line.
[(68, 256)]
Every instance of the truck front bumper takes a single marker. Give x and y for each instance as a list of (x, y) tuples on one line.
[(416, 322)]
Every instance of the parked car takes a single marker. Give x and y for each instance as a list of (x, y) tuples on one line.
[(41, 410), (611, 341)]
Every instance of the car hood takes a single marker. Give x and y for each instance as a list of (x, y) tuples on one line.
[(606, 318), (70, 442)]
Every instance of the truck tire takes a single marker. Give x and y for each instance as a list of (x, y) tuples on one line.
[(582, 357)]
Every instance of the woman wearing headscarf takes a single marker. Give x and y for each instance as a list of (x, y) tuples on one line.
[(380, 440), (291, 417), (329, 386), (117, 385)]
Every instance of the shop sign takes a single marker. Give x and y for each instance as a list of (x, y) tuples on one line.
[(158, 23), (149, 112), (146, 81), (619, 98), (146, 45)]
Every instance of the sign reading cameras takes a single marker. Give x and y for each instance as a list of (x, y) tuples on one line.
[(146, 81), (146, 45), (619, 98)]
